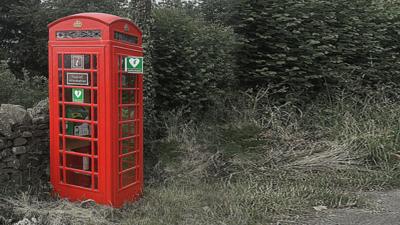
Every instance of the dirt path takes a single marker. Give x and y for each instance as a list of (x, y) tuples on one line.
[(386, 211)]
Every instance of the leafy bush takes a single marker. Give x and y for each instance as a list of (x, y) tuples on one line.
[(30, 91), (7, 80), (216, 11), (306, 47), (24, 92), (191, 60)]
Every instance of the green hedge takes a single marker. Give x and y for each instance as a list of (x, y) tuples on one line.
[(192, 60), (25, 92), (308, 46)]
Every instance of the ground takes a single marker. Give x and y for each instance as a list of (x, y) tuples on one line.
[(384, 209)]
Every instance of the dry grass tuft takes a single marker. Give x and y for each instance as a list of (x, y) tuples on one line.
[(31, 211), (327, 156)]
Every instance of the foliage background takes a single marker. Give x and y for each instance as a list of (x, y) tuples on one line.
[(199, 50), (255, 110), (203, 55)]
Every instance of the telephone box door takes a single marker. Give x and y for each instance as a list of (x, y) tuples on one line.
[(130, 125), (77, 109)]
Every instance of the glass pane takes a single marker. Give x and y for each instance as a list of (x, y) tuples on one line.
[(127, 129), (96, 165), (127, 146), (94, 96), (67, 61), (60, 143), (78, 179), (95, 133), (128, 80), (87, 61), (95, 114), (79, 162), (127, 178), (77, 112), (60, 78), (61, 159), (128, 96), (121, 62), (61, 176), (60, 110), (127, 162), (132, 39), (80, 146), (59, 94), (59, 60), (78, 129), (127, 113), (61, 128), (95, 147), (96, 182), (94, 61), (94, 79)]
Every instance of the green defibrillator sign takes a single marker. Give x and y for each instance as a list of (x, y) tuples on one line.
[(133, 64), (77, 95)]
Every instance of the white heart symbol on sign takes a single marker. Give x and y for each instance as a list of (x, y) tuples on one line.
[(134, 62), (78, 93)]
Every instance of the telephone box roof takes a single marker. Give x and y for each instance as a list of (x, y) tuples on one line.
[(105, 18)]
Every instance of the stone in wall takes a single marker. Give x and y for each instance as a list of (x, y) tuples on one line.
[(18, 113), (40, 109), (6, 123), (24, 144)]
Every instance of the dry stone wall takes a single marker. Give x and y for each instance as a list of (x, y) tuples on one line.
[(24, 145)]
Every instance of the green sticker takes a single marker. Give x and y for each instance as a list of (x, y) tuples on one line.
[(133, 64), (77, 95)]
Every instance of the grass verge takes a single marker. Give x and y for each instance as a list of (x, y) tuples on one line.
[(253, 163)]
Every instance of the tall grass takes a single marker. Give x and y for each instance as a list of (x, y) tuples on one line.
[(275, 161), (254, 161)]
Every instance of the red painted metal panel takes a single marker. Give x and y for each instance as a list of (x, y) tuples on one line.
[(94, 153)]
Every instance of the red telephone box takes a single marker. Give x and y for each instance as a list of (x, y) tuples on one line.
[(96, 108)]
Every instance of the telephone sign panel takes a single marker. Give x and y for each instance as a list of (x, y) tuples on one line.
[(77, 78), (96, 108)]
